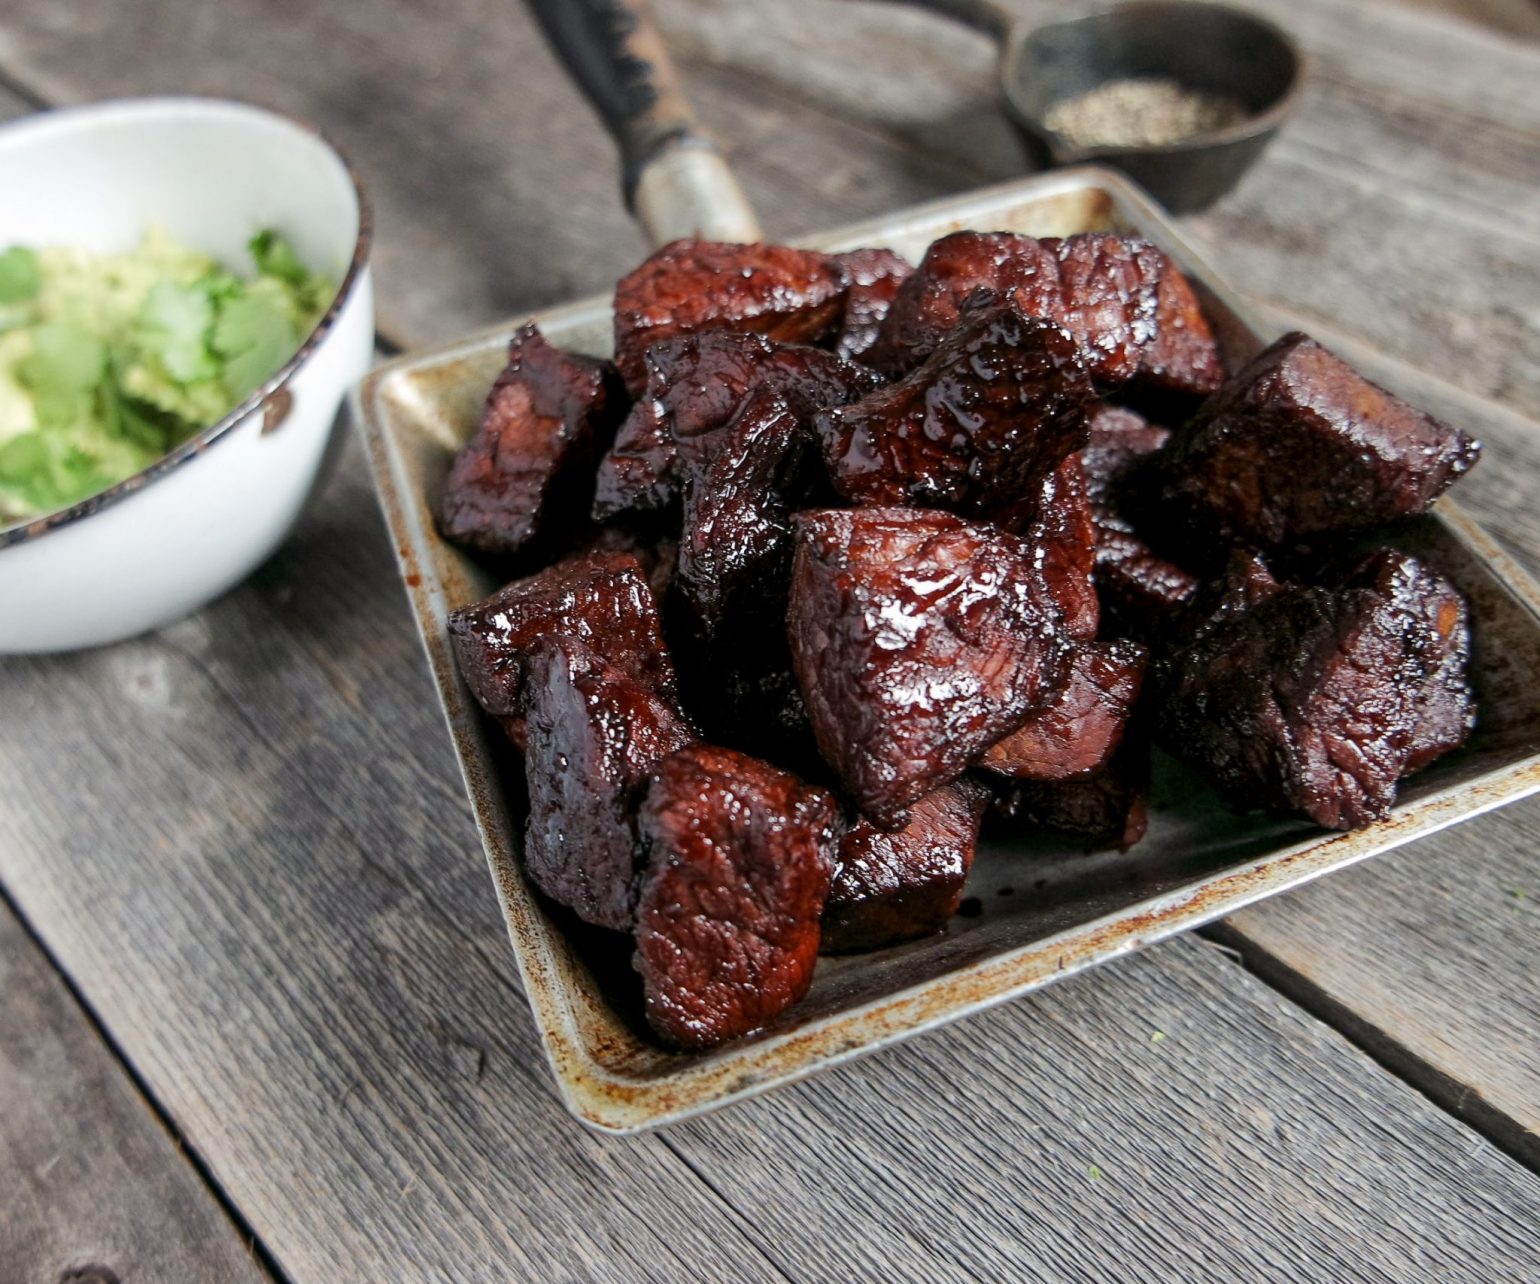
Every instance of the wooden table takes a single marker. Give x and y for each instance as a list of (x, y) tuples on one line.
[(258, 1016)]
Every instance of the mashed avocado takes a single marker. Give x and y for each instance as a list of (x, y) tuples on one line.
[(107, 361)]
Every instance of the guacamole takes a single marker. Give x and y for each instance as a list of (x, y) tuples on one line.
[(108, 361)]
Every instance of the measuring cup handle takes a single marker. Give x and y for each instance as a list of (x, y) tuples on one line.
[(673, 177)]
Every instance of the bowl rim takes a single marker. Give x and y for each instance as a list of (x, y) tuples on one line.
[(62, 118), (1254, 125)]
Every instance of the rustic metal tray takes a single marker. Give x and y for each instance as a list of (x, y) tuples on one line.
[(1041, 911)]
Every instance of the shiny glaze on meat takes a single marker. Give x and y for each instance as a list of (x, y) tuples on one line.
[(739, 858), (602, 600), (891, 887), (548, 418), (695, 384), (1058, 525), (1103, 289), (978, 425), (1299, 445), (875, 277), (593, 738), (919, 640), (1182, 357), (794, 296)]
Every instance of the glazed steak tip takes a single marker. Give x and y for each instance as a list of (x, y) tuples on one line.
[(740, 855)]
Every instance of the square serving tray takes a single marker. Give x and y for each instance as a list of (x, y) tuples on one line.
[(1040, 911)]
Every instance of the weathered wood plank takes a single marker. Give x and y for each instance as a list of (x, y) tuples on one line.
[(276, 895), (270, 887), (92, 1179), (296, 946), (1116, 1142)]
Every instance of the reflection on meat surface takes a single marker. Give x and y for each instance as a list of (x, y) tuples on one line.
[(1182, 357), (739, 860), (593, 736), (988, 415), (1103, 289), (1059, 526), (602, 600), (1446, 712), (1082, 724), (737, 520), (795, 296), (919, 640), (1309, 699), (695, 385), (892, 887), (875, 276), (1299, 445), (547, 420), (734, 577)]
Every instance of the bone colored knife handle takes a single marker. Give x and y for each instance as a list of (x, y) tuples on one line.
[(674, 179)]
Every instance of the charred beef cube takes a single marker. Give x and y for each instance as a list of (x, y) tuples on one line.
[(735, 556), (891, 887), (1105, 808), (1142, 595), (655, 551), (875, 276), (1182, 357), (919, 640), (734, 577), (1299, 445), (1446, 712), (696, 383), (1103, 289), (739, 857), (990, 414), (1059, 525), (795, 296), (594, 736), (1309, 699), (547, 420), (1082, 726), (602, 600), (1116, 440)]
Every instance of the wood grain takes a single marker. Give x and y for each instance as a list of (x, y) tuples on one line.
[(266, 881), (93, 1182), (271, 889)]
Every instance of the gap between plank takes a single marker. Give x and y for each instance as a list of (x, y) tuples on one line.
[(1444, 1091), (259, 1251)]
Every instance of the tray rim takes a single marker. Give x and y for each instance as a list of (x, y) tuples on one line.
[(616, 1105)]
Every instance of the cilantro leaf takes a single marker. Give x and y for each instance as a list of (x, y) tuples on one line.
[(254, 337), (62, 372), (275, 257), (20, 278), (174, 326)]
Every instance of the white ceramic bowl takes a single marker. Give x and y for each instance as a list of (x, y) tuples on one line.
[(211, 173)]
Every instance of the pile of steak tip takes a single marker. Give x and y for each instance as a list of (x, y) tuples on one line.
[(842, 555)]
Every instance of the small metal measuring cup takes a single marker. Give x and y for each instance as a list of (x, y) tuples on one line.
[(1215, 48)]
